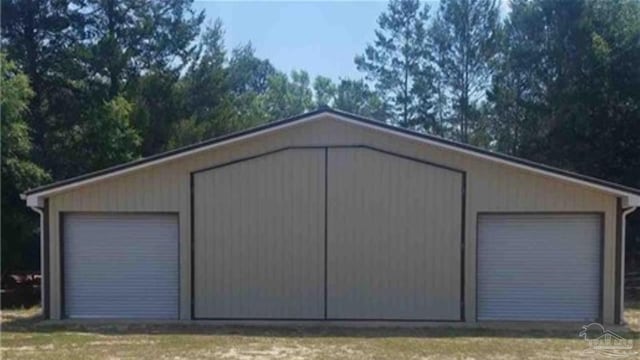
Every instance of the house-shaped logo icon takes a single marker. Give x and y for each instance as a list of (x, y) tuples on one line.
[(605, 342)]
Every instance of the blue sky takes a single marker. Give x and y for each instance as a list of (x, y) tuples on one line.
[(320, 37)]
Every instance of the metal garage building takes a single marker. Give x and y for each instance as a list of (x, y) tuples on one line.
[(328, 216)]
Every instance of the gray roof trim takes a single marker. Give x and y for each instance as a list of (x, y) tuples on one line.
[(356, 118)]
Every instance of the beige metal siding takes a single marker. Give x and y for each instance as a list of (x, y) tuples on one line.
[(490, 187), (259, 237), (393, 238)]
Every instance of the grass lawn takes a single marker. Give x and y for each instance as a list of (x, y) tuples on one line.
[(24, 337)]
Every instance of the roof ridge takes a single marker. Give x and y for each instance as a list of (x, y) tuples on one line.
[(349, 116)]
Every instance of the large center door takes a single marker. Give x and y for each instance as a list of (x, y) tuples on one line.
[(259, 237), (394, 237)]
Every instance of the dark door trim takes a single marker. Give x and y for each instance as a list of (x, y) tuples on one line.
[(326, 149)]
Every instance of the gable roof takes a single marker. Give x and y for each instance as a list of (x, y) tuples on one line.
[(34, 196)]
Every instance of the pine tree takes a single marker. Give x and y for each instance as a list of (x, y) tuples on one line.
[(324, 91), (19, 173), (464, 37), (398, 61), (356, 97)]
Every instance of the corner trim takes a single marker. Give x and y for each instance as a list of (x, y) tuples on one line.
[(617, 312), (192, 250), (46, 278), (463, 230), (63, 309), (326, 234)]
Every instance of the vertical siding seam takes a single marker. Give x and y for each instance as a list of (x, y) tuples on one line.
[(46, 301), (462, 246), (602, 268), (617, 312), (179, 267), (61, 262), (191, 221), (326, 219)]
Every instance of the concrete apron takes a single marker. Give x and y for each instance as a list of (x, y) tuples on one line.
[(320, 324)]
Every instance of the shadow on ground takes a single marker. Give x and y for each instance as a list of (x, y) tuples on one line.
[(31, 321), (35, 324)]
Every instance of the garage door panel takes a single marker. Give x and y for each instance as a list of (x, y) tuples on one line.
[(121, 265), (259, 237), (393, 237), (539, 267)]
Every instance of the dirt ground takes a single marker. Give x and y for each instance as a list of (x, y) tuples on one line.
[(24, 336)]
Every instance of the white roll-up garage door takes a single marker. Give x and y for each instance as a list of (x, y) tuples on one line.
[(120, 265), (539, 267)]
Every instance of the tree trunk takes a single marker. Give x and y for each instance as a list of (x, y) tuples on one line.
[(113, 68), (37, 122)]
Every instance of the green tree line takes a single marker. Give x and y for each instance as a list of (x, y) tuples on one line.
[(87, 84)]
